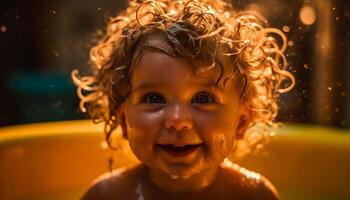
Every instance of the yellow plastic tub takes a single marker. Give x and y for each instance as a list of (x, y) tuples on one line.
[(59, 160)]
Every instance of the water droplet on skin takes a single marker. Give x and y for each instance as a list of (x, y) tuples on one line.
[(54, 12), (329, 88), (139, 192)]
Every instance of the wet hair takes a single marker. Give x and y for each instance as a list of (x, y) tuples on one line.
[(202, 31)]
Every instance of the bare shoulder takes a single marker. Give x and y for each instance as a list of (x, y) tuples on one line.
[(249, 184), (119, 184)]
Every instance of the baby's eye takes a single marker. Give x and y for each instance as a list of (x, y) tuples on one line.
[(203, 98), (153, 98)]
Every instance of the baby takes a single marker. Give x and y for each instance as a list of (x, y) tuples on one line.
[(188, 82)]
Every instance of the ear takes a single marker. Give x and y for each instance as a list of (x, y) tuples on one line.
[(245, 120), (122, 121)]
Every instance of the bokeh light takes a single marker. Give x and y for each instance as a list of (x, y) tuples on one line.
[(307, 15)]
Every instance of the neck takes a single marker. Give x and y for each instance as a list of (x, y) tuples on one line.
[(183, 184)]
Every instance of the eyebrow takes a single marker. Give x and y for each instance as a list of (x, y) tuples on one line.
[(145, 86)]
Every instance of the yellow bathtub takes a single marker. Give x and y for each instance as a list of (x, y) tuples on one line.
[(59, 160)]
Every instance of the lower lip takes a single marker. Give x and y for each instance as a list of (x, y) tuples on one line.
[(179, 151)]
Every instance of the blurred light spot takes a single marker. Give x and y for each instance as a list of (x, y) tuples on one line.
[(307, 15), (336, 109), (104, 145), (54, 12), (329, 88), (290, 43), (172, 12), (99, 32), (306, 66), (347, 10), (337, 18), (286, 28), (3, 28)]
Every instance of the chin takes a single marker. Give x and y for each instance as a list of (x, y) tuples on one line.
[(181, 171)]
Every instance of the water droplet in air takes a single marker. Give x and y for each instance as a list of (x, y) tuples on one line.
[(290, 43), (286, 28), (342, 122), (174, 176), (3, 28), (307, 15)]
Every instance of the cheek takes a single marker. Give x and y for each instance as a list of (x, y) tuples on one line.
[(140, 121), (142, 129), (217, 129)]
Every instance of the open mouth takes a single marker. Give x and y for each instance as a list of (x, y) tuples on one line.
[(177, 151)]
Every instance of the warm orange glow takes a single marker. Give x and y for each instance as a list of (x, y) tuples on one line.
[(307, 15)]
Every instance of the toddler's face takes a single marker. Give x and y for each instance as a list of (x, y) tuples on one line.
[(179, 122)]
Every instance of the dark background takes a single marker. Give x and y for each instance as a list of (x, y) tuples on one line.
[(42, 41)]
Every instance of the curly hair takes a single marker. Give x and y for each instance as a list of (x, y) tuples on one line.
[(200, 31)]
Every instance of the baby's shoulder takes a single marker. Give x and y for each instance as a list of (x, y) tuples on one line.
[(118, 184), (248, 184)]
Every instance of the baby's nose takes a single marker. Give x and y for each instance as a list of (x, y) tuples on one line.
[(177, 116)]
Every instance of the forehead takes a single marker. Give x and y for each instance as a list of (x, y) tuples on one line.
[(155, 59), (158, 68)]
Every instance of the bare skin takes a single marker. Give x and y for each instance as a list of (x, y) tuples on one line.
[(181, 125), (135, 184)]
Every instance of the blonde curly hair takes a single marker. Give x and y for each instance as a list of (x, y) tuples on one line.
[(200, 31)]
